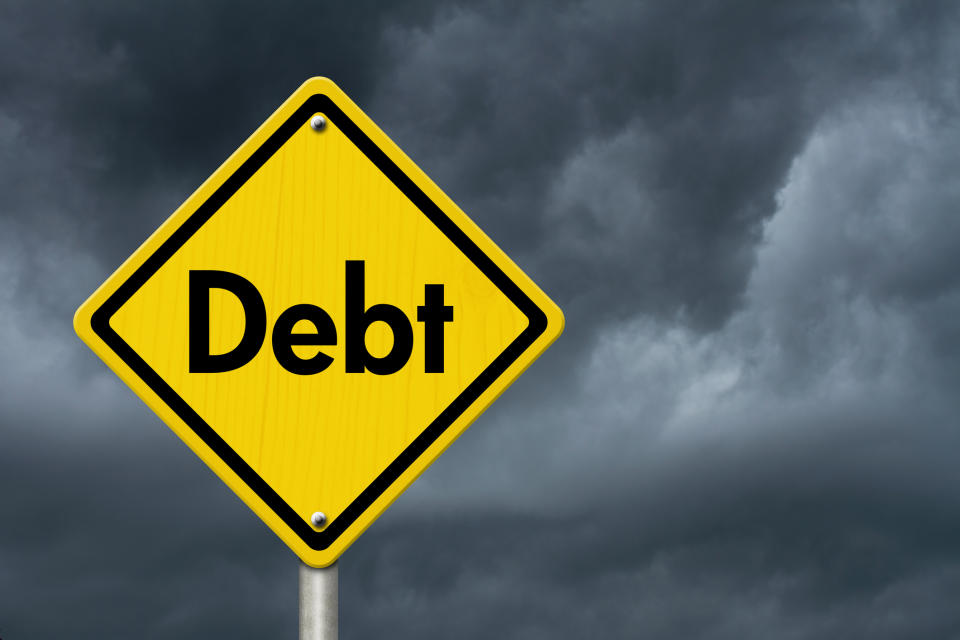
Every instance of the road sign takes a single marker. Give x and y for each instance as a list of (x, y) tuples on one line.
[(318, 321)]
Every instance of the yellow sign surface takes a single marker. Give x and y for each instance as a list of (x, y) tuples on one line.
[(318, 321)]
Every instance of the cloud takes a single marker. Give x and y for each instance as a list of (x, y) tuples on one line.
[(747, 213), (788, 475)]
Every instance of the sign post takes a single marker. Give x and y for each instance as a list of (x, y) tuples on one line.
[(319, 602), (318, 322)]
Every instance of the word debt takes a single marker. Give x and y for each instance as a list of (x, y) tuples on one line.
[(433, 313)]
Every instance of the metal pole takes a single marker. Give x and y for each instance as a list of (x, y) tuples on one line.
[(319, 602)]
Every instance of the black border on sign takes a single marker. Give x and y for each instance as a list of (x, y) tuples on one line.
[(537, 319)]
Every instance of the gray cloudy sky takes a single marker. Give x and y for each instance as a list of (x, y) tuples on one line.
[(747, 210)]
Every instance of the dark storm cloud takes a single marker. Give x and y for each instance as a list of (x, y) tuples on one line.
[(111, 521), (746, 210), (150, 100), (788, 473), (633, 151)]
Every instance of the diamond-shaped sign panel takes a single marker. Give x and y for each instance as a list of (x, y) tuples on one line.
[(318, 321)]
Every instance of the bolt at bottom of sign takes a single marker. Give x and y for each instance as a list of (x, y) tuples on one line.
[(318, 519)]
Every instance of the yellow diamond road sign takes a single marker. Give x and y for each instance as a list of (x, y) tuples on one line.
[(318, 321)]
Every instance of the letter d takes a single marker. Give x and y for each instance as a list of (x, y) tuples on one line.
[(254, 330)]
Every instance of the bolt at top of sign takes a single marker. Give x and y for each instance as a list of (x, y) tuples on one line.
[(318, 298)]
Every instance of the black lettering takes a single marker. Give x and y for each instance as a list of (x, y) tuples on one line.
[(433, 314), (358, 320), (254, 330), (284, 339)]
